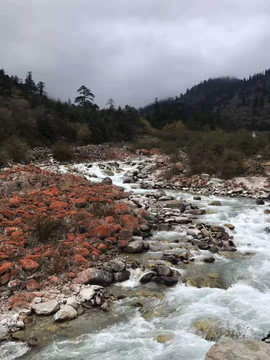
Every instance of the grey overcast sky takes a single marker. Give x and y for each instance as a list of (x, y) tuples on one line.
[(132, 50)]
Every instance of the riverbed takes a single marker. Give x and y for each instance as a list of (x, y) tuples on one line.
[(228, 299)]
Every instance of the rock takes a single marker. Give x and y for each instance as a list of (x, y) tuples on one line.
[(72, 302), (229, 226), (239, 350), (22, 307), (94, 277), (158, 194), (208, 327), (182, 220), (136, 246), (107, 181), (146, 278), (198, 212), (197, 198), (67, 312), (215, 228), (32, 342), (3, 332), (260, 202), (163, 270), (172, 258), (109, 172), (46, 308), (87, 293), (193, 232), (121, 276), (32, 285), (214, 203), (209, 260), (166, 280), (5, 267), (115, 265), (162, 339), (172, 204)]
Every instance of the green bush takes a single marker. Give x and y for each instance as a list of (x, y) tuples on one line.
[(62, 151), (16, 149), (83, 134)]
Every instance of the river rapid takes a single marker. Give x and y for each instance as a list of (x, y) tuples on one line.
[(226, 299)]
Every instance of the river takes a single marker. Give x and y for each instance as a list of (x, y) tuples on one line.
[(232, 295)]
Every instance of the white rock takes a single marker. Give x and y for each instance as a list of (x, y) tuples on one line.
[(46, 308), (3, 332), (67, 312), (72, 302), (87, 293)]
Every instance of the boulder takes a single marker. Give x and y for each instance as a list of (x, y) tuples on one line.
[(107, 181), (239, 350), (229, 226), (46, 308), (72, 302), (67, 312), (121, 276), (94, 277), (260, 202), (146, 278), (115, 265), (136, 246), (22, 307), (163, 270), (215, 203), (172, 258), (87, 293)]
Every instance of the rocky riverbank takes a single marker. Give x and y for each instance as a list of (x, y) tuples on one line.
[(96, 236)]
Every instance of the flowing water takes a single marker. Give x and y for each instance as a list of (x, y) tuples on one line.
[(235, 302)]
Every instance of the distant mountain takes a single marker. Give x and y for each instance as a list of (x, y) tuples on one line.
[(225, 102)]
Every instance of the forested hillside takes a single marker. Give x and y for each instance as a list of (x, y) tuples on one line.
[(30, 118), (226, 103)]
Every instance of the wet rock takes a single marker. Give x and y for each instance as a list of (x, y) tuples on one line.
[(172, 204), (239, 349), (259, 201), (166, 280), (109, 172), (197, 198), (146, 278), (209, 260), (46, 308), (229, 226), (94, 277), (182, 220), (121, 276), (162, 339), (214, 203), (216, 228), (32, 342), (67, 312), (136, 246), (107, 181), (163, 270), (197, 212), (172, 258)]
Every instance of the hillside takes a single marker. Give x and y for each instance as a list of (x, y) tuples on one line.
[(226, 102), (30, 118)]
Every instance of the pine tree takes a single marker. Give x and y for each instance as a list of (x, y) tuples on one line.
[(85, 98), (41, 88)]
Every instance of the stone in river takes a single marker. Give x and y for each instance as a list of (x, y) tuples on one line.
[(95, 277), (121, 276), (67, 312), (136, 246), (146, 278)]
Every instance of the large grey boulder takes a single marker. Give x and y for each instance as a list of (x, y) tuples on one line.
[(239, 350), (46, 308), (67, 312), (94, 277), (136, 246)]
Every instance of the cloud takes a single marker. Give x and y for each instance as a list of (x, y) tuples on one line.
[(132, 51)]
